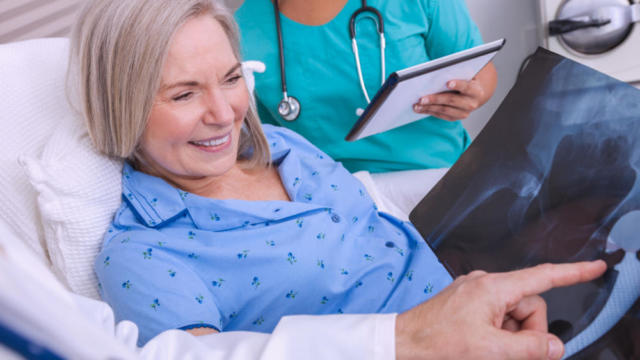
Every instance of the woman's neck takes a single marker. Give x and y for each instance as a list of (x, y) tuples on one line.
[(255, 184), (311, 12)]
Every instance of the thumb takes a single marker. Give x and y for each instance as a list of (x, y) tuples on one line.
[(529, 344)]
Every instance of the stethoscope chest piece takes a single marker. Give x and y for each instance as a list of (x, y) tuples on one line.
[(289, 108)]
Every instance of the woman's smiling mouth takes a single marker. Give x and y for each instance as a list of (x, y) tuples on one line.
[(213, 144)]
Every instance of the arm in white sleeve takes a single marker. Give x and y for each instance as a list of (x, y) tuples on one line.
[(370, 336)]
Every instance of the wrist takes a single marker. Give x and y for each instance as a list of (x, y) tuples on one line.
[(406, 346), (401, 337)]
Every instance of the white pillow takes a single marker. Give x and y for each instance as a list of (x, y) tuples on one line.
[(32, 104), (79, 191)]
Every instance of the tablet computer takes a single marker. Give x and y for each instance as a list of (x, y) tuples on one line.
[(392, 106)]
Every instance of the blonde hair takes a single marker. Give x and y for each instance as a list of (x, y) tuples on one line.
[(118, 49)]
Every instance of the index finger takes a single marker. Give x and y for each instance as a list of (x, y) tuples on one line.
[(470, 88), (538, 279)]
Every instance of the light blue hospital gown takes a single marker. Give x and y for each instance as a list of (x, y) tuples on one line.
[(173, 259)]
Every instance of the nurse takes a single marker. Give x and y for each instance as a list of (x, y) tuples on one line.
[(321, 72)]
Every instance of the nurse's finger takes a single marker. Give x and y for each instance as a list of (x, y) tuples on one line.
[(516, 285), (469, 88), (442, 112), (456, 100), (443, 109)]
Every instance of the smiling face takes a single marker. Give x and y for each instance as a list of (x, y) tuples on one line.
[(194, 127)]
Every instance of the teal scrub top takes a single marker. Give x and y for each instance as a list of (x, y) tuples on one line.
[(321, 73)]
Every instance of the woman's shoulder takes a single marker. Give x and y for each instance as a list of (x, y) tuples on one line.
[(281, 132)]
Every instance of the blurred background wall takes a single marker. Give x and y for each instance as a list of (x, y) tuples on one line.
[(517, 20), (28, 19)]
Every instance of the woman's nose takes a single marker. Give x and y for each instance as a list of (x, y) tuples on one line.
[(219, 109)]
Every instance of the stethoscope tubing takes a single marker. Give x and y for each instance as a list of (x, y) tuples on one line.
[(289, 107), (283, 78)]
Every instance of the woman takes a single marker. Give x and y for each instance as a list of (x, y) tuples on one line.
[(223, 228)]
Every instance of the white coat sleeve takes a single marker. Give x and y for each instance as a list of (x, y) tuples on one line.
[(369, 336)]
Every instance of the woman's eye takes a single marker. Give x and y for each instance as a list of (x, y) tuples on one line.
[(233, 79), (182, 97)]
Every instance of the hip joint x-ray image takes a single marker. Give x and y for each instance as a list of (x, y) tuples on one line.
[(553, 177)]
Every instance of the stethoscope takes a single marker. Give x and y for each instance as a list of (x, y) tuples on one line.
[(289, 108)]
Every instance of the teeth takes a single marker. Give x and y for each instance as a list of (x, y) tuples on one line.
[(212, 142)]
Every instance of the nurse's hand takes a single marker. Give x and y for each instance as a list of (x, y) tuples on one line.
[(490, 316), (463, 98)]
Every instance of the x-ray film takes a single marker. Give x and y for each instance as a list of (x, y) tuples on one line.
[(553, 177)]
